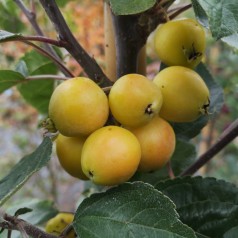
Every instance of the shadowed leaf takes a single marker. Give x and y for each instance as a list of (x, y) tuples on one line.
[(129, 210), (24, 169)]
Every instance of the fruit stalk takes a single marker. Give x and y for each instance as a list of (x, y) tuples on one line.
[(177, 11)]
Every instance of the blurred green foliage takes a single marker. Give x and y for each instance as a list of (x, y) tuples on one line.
[(222, 60)]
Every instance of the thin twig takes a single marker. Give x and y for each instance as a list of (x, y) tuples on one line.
[(31, 16), (14, 223), (47, 54), (21, 229), (68, 229), (170, 170), (46, 76), (56, 60), (178, 11), (44, 39), (226, 137), (90, 66), (107, 89)]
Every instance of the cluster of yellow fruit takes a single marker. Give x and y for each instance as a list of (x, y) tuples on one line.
[(180, 44), (87, 148), (141, 138)]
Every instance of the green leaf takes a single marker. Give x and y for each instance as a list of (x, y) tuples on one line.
[(42, 210), (232, 233), (62, 3), (184, 155), (9, 19), (150, 177), (22, 210), (8, 36), (37, 92), (200, 13), (129, 210), (23, 170), (125, 7), (222, 16), (192, 129), (186, 190), (9, 78), (207, 205), (210, 218), (231, 40), (34, 61), (21, 67)]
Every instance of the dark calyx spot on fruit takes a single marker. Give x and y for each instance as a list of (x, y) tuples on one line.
[(90, 173), (192, 54), (149, 109), (63, 221), (206, 107)]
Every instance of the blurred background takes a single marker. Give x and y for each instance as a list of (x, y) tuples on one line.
[(19, 121)]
